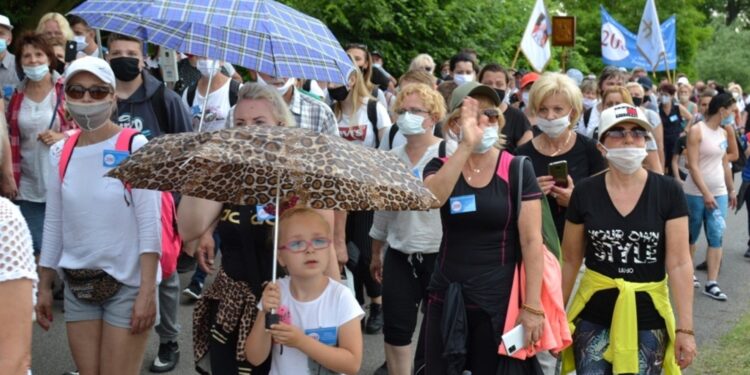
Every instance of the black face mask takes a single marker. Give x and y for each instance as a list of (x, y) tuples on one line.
[(339, 93), (126, 69), (637, 102), (501, 94), (647, 99)]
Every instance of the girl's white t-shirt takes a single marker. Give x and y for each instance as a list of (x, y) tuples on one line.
[(320, 318), (358, 129), (217, 108)]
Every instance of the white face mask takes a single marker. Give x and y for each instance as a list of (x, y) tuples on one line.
[(525, 97), (460, 79), (410, 124), (80, 42), (208, 67), (553, 128), (588, 103), (666, 99), (627, 160), (489, 138)]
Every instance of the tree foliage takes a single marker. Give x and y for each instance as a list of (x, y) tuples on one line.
[(721, 60)]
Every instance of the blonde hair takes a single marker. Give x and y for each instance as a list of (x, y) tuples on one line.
[(255, 91), (626, 98), (635, 85), (301, 210), (61, 22), (734, 85), (422, 60), (555, 83), (359, 90), (432, 99)]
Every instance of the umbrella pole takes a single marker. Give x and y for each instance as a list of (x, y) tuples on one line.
[(273, 318), (205, 99)]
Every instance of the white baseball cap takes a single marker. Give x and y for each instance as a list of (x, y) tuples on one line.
[(622, 113), (93, 65), (683, 81), (5, 21)]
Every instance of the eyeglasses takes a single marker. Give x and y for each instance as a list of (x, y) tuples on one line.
[(413, 111), (622, 133), (96, 92), (298, 246), (492, 113)]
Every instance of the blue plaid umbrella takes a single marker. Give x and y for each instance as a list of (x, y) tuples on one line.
[(261, 35)]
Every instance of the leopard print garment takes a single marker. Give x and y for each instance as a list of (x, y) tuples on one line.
[(237, 306), (243, 165)]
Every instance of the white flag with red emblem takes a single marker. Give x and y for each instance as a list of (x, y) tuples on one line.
[(536, 39)]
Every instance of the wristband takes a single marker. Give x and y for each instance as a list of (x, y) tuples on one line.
[(685, 331)]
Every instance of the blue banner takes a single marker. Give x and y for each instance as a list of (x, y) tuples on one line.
[(619, 47)]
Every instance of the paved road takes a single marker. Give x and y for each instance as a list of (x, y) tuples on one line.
[(712, 319)]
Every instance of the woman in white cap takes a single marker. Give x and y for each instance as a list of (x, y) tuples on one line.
[(631, 226), (103, 238)]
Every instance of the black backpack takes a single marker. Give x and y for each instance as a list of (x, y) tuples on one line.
[(234, 89), (372, 116)]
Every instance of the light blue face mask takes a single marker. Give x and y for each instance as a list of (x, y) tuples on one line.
[(36, 73), (489, 138), (729, 120), (410, 124), (3, 45)]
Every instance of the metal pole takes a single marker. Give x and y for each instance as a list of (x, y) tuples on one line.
[(272, 317), (99, 43)]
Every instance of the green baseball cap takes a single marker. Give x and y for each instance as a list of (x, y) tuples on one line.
[(472, 89)]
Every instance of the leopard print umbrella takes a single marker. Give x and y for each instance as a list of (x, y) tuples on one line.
[(243, 166)]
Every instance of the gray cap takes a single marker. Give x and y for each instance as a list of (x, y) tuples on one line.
[(575, 75), (471, 89)]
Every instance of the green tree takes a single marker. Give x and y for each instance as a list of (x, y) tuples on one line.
[(401, 29), (731, 10), (721, 60)]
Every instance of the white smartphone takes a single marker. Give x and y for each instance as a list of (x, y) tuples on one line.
[(168, 64), (513, 339)]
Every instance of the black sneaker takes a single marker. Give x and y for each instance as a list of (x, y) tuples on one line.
[(185, 263), (713, 291), (193, 290), (375, 320), (747, 253), (382, 370), (166, 360), (702, 267)]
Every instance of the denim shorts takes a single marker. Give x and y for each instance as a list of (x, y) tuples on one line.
[(713, 221), (116, 311)]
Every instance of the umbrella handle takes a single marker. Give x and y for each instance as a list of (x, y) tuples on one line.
[(272, 318)]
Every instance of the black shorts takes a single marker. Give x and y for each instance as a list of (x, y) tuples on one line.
[(405, 281)]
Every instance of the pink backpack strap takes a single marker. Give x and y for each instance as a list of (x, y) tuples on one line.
[(125, 139), (503, 167), (67, 152)]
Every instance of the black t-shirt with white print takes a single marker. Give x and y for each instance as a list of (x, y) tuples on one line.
[(481, 236), (630, 247)]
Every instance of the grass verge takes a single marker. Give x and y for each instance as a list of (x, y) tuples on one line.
[(729, 355)]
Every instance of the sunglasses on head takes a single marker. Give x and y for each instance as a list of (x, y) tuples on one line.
[(619, 133), (95, 92), (357, 46), (492, 113)]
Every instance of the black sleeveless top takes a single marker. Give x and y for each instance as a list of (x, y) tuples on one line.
[(672, 122), (246, 245)]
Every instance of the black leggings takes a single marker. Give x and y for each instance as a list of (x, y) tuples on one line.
[(358, 224)]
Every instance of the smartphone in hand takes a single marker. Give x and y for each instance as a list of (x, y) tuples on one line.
[(71, 51), (559, 171)]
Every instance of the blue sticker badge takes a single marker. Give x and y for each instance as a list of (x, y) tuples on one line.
[(262, 214), (723, 145), (112, 158), (673, 118), (417, 173), (326, 335), (463, 204)]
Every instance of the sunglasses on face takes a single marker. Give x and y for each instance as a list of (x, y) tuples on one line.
[(622, 133), (492, 113), (95, 92), (298, 246)]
